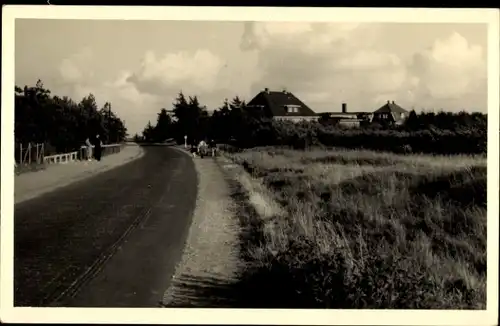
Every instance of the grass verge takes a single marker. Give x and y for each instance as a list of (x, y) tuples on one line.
[(360, 229)]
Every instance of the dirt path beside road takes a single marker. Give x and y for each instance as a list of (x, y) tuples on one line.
[(211, 255)]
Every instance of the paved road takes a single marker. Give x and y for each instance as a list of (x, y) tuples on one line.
[(108, 241)]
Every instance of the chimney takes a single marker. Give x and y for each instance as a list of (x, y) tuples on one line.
[(393, 102), (388, 102), (344, 108), (266, 90)]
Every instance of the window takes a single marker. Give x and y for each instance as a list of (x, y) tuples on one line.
[(291, 108)]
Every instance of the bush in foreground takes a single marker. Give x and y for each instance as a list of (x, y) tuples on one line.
[(368, 230)]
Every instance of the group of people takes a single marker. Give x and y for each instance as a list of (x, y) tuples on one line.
[(203, 148), (94, 148)]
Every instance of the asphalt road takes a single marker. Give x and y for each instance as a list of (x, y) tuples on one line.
[(108, 241)]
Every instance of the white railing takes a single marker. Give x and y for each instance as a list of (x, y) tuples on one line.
[(79, 155), (61, 158)]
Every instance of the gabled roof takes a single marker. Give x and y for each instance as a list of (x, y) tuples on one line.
[(391, 107), (275, 102)]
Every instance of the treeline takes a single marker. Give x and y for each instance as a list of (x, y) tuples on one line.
[(191, 119), (60, 123), (233, 123)]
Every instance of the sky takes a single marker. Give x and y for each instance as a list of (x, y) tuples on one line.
[(141, 66)]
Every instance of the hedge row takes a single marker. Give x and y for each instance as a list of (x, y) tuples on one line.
[(433, 141)]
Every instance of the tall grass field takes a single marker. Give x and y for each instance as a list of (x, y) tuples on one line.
[(361, 229)]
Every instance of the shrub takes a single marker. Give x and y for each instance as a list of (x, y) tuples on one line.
[(434, 141)]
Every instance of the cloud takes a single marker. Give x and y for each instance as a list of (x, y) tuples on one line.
[(452, 68), (77, 68), (197, 70), (201, 72), (76, 76), (155, 78), (139, 93), (77, 79), (326, 64), (126, 95)]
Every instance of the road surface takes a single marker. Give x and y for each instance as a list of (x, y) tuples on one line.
[(111, 240)]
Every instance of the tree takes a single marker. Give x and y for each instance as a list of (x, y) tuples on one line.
[(220, 123), (137, 138), (163, 126), (188, 115), (181, 112), (238, 125), (59, 122), (112, 128), (412, 123), (324, 118), (148, 132)]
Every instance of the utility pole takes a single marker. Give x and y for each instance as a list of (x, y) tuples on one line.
[(109, 122)]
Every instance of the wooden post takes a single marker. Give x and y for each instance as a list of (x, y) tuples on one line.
[(21, 154), (29, 153)]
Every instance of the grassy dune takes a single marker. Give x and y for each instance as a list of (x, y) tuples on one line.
[(360, 229)]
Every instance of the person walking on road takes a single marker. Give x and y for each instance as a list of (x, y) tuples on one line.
[(88, 149), (212, 146), (193, 148), (202, 148), (98, 148)]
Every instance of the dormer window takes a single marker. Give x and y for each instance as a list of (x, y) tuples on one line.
[(292, 108)]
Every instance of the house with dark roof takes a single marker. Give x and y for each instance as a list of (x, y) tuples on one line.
[(390, 113), (281, 105)]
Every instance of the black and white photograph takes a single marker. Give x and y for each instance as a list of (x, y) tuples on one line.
[(238, 161)]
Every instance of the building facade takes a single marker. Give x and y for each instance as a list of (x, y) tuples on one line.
[(390, 113), (282, 105)]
